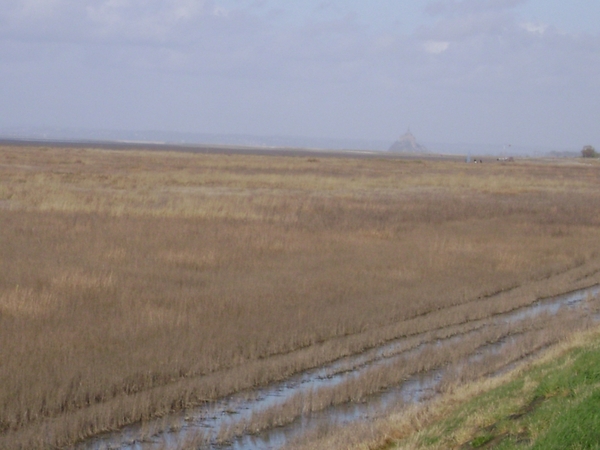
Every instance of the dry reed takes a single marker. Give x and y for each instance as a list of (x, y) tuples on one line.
[(139, 283)]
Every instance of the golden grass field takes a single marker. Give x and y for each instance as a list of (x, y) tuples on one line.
[(132, 281)]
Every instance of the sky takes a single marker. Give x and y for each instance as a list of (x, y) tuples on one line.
[(524, 72)]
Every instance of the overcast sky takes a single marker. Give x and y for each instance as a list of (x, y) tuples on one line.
[(476, 71)]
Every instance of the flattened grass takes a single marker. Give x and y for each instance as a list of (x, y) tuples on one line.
[(554, 404)]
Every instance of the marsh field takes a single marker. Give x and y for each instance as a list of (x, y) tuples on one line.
[(134, 284)]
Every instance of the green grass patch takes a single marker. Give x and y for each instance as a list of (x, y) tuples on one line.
[(554, 405), (577, 427)]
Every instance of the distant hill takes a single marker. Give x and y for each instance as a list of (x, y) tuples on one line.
[(185, 138), (407, 143)]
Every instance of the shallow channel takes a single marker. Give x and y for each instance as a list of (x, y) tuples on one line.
[(232, 412)]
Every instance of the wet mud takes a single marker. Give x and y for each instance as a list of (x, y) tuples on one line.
[(223, 424)]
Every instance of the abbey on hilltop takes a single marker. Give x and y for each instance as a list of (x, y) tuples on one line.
[(407, 143)]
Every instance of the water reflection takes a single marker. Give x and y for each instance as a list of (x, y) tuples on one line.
[(208, 421)]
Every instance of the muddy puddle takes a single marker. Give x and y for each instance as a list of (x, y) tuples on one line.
[(206, 425)]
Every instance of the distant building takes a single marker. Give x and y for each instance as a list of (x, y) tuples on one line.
[(407, 143)]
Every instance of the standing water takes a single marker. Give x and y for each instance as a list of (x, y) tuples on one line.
[(232, 413)]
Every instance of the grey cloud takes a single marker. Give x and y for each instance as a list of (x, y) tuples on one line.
[(458, 28), (146, 21), (461, 7), (185, 35), (139, 21), (474, 74), (30, 20)]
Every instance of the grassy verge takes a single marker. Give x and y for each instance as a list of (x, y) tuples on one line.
[(550, 405)]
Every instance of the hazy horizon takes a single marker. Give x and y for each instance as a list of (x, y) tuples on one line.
[(157, 137)]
